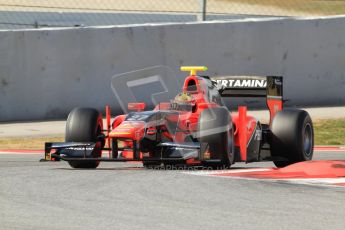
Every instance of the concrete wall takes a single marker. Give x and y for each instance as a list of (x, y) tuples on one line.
[(45, 73), (37, 19)]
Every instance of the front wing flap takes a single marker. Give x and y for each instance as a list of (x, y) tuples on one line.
[(68, 149), (82, 151)]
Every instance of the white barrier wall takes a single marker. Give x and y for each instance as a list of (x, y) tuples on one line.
[(45, 73)]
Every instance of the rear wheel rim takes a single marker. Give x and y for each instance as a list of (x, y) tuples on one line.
[(307, 140)]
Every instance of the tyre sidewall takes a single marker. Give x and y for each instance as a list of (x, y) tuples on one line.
[(288, 130)]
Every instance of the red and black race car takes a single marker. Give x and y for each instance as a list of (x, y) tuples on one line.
[(195, 128)]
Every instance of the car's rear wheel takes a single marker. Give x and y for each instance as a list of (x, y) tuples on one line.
[(292, 137), (215, 134), (85, 125)]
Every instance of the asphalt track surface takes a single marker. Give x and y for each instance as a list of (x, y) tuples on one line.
[(51, 195)]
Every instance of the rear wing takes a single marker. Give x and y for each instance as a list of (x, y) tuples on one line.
[(250, 86), (270, 87)]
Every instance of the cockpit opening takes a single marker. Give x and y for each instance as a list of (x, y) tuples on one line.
[(191, 86)]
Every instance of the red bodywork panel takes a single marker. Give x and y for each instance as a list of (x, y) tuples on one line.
[(274, 106), (136, 106), (129, 130), (118, 120), (244, 126)]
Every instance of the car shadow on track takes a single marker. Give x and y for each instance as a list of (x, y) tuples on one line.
[(189, 169)]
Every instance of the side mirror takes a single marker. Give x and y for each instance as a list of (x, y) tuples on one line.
[(137, 106)]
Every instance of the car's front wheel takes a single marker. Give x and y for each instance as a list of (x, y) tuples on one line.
[(85, 125), (216, 137)]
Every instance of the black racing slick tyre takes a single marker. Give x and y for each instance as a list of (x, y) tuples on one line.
[(85, 125), (292, 137), (215, 134)]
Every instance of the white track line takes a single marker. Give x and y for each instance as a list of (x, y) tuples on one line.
[(325, 181), (22, 153), (304, 181), (232, 171)]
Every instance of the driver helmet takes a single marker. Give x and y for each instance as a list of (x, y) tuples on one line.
[(183, 97)]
